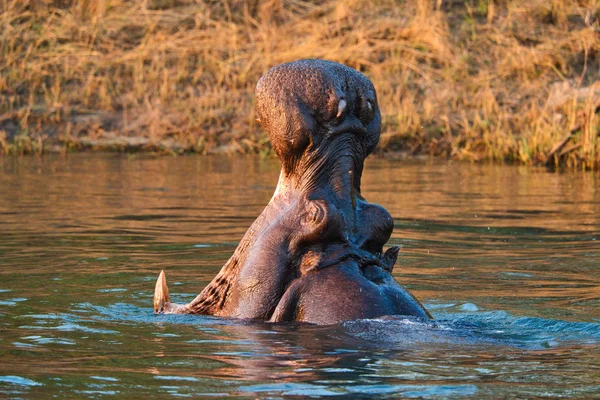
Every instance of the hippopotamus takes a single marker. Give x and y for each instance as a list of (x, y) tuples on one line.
[(315, 253)]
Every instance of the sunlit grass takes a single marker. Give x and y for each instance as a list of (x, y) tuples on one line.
[(476, 80)]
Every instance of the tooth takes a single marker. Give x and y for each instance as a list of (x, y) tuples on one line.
[(161, 293), (341, 108)]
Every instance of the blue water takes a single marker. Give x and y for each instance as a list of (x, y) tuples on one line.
[(120, 348), (505, 258)]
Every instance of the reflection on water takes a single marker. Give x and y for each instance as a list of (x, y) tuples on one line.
[(505, 258)]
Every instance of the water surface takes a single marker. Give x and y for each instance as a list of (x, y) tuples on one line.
[(506, 258)]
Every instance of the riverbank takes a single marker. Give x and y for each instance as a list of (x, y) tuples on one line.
[(471, 80)]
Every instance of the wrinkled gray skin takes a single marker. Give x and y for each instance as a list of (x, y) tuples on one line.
[(315, 254)]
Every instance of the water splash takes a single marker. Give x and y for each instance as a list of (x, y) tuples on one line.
[(472, 327)]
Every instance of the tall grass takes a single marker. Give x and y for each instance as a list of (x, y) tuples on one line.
[(502, 80)]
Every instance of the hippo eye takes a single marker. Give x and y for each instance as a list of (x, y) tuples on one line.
[(341, 108)]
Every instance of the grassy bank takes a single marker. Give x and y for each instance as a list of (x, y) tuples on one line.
[(502, 80)]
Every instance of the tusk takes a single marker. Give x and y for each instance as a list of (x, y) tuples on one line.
[(161, 293), (341, 108)]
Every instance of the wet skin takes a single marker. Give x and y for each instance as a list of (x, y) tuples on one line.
[(315, 254)]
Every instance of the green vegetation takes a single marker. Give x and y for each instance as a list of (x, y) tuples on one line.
[(501, 80)]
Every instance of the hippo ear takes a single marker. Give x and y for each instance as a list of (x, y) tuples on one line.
[(389, 258)]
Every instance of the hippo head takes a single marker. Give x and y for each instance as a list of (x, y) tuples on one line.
[(323, 121), (315, 253), (315, 113)]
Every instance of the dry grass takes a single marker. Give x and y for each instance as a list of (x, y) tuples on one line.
[(502, 80)]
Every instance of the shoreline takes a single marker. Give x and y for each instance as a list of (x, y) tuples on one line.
[(142, 147)]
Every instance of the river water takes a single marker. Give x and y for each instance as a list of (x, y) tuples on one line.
[(506, 258)]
